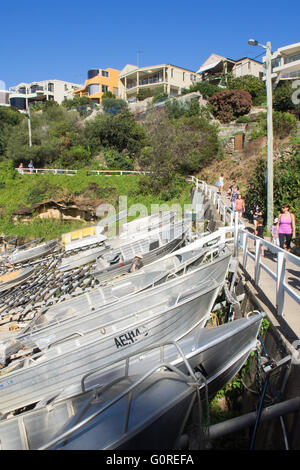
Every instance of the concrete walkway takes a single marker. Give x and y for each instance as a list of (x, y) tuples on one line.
[(289, 323)]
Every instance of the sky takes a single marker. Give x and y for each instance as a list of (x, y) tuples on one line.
[(64, 39)]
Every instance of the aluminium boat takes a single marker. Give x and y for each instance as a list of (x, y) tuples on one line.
[(152, 245), (29, 254), (142, 401), (165, 312)]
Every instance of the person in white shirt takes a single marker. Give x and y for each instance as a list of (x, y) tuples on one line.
[(220, 183)]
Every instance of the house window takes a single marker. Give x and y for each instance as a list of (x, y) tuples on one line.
[(105, 73), (51, 87), (193, 78), (116, 92), (172, 73), (94, 88), (183, 76), (104, 88)]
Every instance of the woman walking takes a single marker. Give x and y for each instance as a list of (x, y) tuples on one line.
[(240, 205), (286, 227)]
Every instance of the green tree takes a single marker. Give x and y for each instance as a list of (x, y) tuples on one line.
[(286, 185), (120, 132), (113, 105), (9, 118), (253, 85), (205, 88), (176, 147), (282, 98)]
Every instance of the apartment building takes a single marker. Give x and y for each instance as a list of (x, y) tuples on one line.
[(99, 81), (4, 97), (214, 68), (46, 90), (286, 62), (170, 78)]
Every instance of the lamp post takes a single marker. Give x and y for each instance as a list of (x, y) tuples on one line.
[(29, 122), (253, 42)]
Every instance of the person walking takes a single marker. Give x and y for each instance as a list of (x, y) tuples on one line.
[(286, 227), (240, 205), (220, 184), (30, 166), (256, 213), (275, 238), (259, 232), (20, 169), (229, 192), (233, 197)]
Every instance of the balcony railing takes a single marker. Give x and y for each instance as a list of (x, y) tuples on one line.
[(146, 81)]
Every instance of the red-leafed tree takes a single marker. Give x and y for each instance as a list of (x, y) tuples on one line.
[(228, 105)]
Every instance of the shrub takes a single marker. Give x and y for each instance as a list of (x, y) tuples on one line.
[(118, 161), (228, 105), (243, 119), (284, 124), (144, 93), (254, 85), (206, 89)]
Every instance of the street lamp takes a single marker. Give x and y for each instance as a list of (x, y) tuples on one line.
[(253, 42)]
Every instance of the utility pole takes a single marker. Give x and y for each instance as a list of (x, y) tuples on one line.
[(29, 123), (269, 137), (269, 178)]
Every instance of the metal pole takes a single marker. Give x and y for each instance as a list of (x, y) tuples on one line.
[(269, 137), (29, 123)]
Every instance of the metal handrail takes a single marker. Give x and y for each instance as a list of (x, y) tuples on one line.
[(279, 275), (56, 171), (241, 233)]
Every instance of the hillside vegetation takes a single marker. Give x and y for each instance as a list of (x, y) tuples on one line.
[(169, 142)]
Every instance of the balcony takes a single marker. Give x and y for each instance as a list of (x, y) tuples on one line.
[(145, 82)]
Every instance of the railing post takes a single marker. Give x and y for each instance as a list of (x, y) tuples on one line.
[(224, 214), (279, 283), (236, 233), (257, 261), (245, 247)]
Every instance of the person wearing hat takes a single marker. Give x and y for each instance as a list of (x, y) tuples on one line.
[(136, 263), (275, 238)]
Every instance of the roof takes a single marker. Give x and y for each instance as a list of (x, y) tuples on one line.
[(249, 58)]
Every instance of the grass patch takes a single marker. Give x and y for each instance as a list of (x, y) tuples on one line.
[(25, 190)]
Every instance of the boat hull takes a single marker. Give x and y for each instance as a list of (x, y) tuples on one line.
[(158, 407)]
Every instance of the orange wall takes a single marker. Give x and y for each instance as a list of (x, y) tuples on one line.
[(112, 81)]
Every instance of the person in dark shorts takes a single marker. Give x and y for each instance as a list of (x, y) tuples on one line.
[(137, 263), (259, 232), (286, 227)]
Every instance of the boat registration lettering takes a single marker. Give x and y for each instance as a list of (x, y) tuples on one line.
[(8, 382), (130, 337)]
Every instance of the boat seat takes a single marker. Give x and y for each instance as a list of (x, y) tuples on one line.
[(115, 259)]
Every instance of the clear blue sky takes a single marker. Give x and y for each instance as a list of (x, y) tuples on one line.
[(63, 39)]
